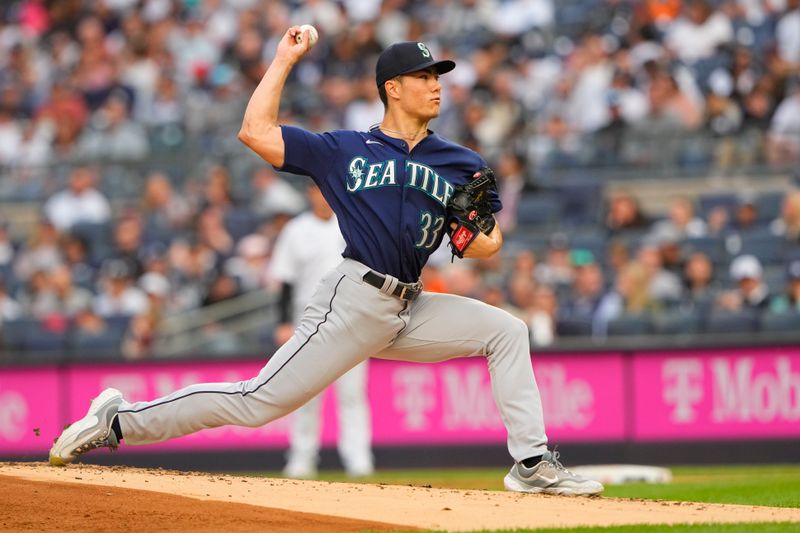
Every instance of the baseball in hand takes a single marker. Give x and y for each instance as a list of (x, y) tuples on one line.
[(312, 35)]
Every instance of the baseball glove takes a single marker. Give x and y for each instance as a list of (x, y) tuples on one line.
[(469, 211)]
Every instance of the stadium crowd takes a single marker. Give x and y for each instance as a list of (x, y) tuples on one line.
[(89, 88)]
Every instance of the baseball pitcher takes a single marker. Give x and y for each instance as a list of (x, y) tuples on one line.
[(390, 188)]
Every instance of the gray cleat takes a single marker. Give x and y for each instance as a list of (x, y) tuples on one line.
[(550, 477), (90, 432)]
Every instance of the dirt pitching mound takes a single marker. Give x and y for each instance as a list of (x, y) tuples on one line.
[(92, 496)]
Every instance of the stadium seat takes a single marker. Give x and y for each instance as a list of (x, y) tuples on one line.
[(709, 201), (677, 321), (789, 321), (732, 322), (713, 247), (580, 200), (573, 328), (768, 205), (97, 236), (538, 209), (240, 222), (767, 247), (630, 325)]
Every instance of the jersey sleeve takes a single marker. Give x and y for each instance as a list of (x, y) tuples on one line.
[(282, 263), (308, 153)]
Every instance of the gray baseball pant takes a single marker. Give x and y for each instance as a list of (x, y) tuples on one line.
[(346, 320)]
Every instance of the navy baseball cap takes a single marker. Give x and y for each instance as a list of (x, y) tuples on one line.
[(405, 57)]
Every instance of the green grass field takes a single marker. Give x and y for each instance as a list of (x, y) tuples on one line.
[(772, 485)]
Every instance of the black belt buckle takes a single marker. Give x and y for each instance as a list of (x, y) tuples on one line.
[(408, 292), (404, 291)]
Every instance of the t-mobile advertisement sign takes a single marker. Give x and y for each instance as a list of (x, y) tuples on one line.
[(721, 394), (444, 403), (453, 402), (746, 393)]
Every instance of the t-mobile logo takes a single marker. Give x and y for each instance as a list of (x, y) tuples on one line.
[(414, 396), (13, 416), (683, 388)]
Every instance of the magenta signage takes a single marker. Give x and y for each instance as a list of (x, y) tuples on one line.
[(30, 410), (743, 393), (452, 402), (663, 396)]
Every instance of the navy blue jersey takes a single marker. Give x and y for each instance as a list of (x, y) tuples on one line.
[(390, 203)]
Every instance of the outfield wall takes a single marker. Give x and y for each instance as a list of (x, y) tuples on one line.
[(641, 397)]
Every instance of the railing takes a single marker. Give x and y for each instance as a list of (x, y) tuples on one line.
[(245, 316)]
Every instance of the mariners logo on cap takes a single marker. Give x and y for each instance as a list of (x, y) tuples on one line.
[(424, 49)]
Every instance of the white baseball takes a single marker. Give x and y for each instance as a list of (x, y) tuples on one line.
[(312, 34)]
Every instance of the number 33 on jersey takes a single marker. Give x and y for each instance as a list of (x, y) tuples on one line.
[(396, 200)]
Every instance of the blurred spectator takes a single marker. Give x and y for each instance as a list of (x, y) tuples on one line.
[(682, 222), (81, 202), (165, 213), (68, 299), (672, 108), (461, 279), (7, 249), (250, 264), (112, 135), (662, 285), (36, 296), (789, 300), (788, 223), (541, 316), (617, 255), (699, 31), (41, 253), (556, 270), (157, 288), (76, 257), (139, 339), (698, 281), (631, 295), (784, 131), (787, 35), (10, 136), (212, 232), (751, 292), (521, 290), (118, 296), (719, 224), (223, 287), (128, 242), (624, 213), (9, 308), (580, 304), (510, 175), (272, 194)]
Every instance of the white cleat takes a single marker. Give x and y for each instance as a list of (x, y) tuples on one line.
[(90, 432), (550, 477)]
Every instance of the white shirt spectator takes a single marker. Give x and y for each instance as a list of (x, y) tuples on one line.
[(306, 249), (10, 139), (786, 121), (360, 115), (65, 209), (9, 309), (129, 302), (692, 42), (787, 35), (515, 17)]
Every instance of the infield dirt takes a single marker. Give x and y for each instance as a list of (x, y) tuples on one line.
[(37, 497)]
